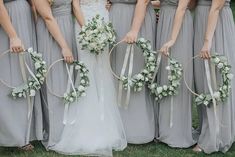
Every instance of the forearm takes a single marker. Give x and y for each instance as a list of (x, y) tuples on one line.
[(54, 30), (178, 20), (78, 13), (212, 21), (139, 15), (6, 23)]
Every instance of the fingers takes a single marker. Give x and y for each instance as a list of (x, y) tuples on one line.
[(17, 49), (165, 50), (130, 40), (205, 55), (69, 59)]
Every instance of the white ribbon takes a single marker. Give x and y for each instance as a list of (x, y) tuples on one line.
[(129, 54), (30, 105), (69, 84), (209, 82), (159, 58)]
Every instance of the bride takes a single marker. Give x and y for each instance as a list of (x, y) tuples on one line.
[(97, 129)]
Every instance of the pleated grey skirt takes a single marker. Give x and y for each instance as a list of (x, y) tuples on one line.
[(180, 133), (223, 43), (138, 119), (53, 106), (14, 122)]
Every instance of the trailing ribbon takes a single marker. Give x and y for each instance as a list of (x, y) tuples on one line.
[(69, 84), (209, 82), (129, 56), (159, 58), (30, 105)]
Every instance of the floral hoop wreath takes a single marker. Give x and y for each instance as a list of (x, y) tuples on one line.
[(221, 95), (77, 91), (33, 83), (174, 78), (138, 81)]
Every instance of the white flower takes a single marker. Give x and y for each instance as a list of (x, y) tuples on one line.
[(216, 95), (20, 95), (164, 87), (81, 88), (206, 103), (168, 68), (77, 67), (37, 65), (230, 76), (83, 94), (30, 50), (159, 89), (216, 60), (139, 76), (220, 65), (32, 93), (71, 99), (83, 81)]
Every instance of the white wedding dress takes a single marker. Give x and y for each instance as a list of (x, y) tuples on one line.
[(98, 128)]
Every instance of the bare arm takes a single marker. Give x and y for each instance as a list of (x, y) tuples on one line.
[(213, 16), (78, 12), (139, 15), (178, 20), (15, 43), (44, 10)]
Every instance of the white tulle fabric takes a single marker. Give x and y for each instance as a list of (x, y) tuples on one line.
[(98, 129)]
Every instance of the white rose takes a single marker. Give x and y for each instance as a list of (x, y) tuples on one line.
[(168, 68), (83, 81), (230, 76), (30, 50), (32, 92), (20, 95), (216, 60), (220, 65), (81, 88), (159, 89), (216, 95), (71, 99), (83, 94), (37, 65), (164, 87)]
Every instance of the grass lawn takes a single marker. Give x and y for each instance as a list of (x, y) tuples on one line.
[(148, 150)]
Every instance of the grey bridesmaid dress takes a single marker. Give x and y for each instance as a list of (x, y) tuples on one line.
[(175, 117), (223, 43), (138, 118), (53, 106), (16, 129)]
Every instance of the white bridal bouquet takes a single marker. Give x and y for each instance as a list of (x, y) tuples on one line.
[(96, 35)]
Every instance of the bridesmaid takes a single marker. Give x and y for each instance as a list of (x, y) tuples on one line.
[(16, 129), (175, 29), (214, 32), (56, 40), (138, 20)]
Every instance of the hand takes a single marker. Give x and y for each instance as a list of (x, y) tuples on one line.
[(67, 54), (156, 4), (131, 37), (108, 5), (166, 47), (16, 45), (205, 51)]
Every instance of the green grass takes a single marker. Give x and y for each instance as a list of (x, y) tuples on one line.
[(148, 150)]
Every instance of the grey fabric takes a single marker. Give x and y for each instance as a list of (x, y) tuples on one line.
[(13, 113), (53, 107), (180, 134), (223, 43), (123, 1), (138, 119)]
